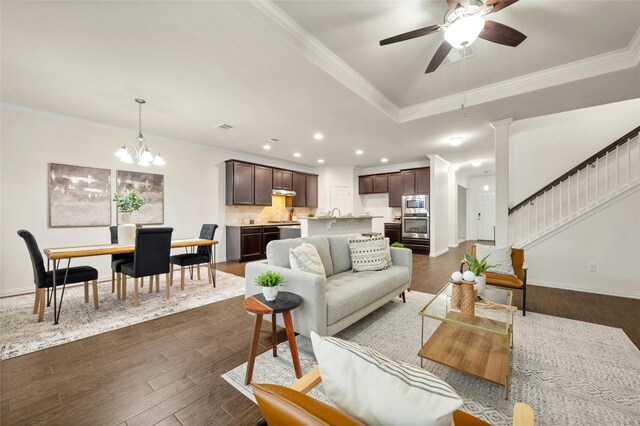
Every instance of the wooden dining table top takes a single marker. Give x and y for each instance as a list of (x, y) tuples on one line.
[(55, 253)]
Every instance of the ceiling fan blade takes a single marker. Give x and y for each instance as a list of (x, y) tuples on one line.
[(499, 4), (439, 56), (501, 34), (411, 34)]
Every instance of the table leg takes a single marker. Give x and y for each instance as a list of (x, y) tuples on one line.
[(288, 325), (56, 308), (253, 349), (274, 339), (214, 266), (55, 296)]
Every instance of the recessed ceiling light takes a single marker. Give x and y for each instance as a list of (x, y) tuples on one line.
[(296, 154), (266, 146), (476, 163), (320, 160), (455, 167), (318, 136), (359, 152), (455, 141), (384, 160)]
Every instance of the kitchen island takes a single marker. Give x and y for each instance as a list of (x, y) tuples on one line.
[(311, 226)]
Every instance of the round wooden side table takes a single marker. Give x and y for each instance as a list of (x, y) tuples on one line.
[(284, 304)]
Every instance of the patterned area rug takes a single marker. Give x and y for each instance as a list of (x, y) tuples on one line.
[(22, 333), (570, 372)]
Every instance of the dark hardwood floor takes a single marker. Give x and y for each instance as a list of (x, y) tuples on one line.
[(167, 370)]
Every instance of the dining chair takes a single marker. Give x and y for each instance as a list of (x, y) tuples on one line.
[(117, 260), (150, 259), (202, 255), (44, 279)]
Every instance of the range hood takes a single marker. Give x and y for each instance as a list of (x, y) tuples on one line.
[(284, 192)]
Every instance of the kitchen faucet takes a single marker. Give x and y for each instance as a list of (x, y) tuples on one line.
[(339, 214)]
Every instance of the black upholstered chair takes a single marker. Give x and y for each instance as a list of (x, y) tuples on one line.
[(44, 279), (150, 259), (204, 254), (117, 260)]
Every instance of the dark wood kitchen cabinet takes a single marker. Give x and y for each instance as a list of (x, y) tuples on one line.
[(373, 184), (393, 231), (282, 179), (240, 183), (365, 184), (395, 190), (408, 182), (263, 177), (380, 184), (300, 188), (312, 191), (423, 179), (251, 244), (269, 233), (416, 181)]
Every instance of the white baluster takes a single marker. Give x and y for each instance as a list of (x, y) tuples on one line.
[(569, 195), (606, 174), (553, 205), (578, 192), (597, 181), (560, 200), (628, 162), (617, 168)]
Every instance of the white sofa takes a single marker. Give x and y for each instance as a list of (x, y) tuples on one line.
[(338, 300)]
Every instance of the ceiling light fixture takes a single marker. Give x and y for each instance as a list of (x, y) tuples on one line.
[(297, 154), (318, 136), (266, 146), (476, 163), (320, 160), (455, 141), (464, 31), (384, 160), (359, 152), (486, 184), (141, 154)]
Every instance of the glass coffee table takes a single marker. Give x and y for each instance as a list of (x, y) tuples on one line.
[(479, 346)]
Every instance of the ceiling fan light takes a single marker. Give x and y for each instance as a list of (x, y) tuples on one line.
[(464, 31)]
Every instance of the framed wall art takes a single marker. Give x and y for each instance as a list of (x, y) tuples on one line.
[(79, 196), (149, 186)]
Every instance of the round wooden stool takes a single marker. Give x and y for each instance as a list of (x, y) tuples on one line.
[(258, 305)]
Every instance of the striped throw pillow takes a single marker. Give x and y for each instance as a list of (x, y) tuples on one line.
[(368, 254), (305, 258), (379, 391)]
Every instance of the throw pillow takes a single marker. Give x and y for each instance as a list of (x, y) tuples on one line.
[(499, 256), (379, 391), (305, 258), (368, 254), (387, 248)]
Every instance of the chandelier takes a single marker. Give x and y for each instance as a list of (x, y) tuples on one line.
[(141, 154)]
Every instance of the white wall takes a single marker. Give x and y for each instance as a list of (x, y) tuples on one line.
[(193, 178), (541, 149), (610, 239), (475, 187), (439, 205), (462, 212)]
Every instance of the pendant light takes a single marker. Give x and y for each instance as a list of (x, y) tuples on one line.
[(141, 154)]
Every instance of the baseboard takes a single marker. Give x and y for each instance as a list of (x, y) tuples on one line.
[(573, 287), (454, 245), (438, 253)]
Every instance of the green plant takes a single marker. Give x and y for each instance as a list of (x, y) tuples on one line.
[(128, 202), (477, 266), (311, 215), (269, 279), (397, 244)]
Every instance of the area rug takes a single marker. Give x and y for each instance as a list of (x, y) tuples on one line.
[(570, 372), (22, 333)]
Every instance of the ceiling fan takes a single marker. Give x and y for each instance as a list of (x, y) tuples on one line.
[(463, 23)]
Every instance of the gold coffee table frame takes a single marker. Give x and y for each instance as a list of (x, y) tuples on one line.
[(479, 346)]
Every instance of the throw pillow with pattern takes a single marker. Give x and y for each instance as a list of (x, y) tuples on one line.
[(368, 254), (305, 258)]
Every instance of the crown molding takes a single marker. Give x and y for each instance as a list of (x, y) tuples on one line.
[(314, 50)]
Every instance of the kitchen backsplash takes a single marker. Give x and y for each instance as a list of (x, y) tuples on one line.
[(278, 211)]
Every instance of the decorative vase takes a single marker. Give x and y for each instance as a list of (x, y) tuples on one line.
[(126, 230), (481, 284), (270, 293), (468, 301), (456, 295)]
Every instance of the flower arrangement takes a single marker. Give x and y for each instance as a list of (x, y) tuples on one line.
[(477, 266), (269, 279), (128, 202)]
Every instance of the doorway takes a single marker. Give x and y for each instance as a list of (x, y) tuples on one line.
[(486, 215), (462, 213)]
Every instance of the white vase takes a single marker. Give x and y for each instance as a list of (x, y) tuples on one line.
[(126, 230), (481, 284), (270, 293)]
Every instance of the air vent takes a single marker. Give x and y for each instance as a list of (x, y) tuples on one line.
[(225, 127)]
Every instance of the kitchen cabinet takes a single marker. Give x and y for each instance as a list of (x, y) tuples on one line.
[(251, 244), (365, 184), (240, 183), (300, 187), (416, 181), (282, 179), (312, 191), (380, 184), (395, 189), (393, 231), (262, 193), (269, 233), (423, 179), (408, 182)]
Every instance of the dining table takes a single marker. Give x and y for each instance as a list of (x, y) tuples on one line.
[(58, 254)]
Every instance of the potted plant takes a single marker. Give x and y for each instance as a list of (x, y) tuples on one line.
[(397, 245), (126, 204), (478, 267), (270, 282)]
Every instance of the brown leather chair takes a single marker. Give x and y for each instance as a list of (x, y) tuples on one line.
[(291, 406), (519, 282)]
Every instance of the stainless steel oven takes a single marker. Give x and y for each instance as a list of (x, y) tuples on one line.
[(415, 216)]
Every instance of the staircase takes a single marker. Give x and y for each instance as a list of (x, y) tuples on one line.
[(604, 178)]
